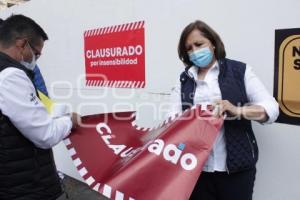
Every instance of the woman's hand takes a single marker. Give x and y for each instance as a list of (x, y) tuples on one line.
[(223, 106), (250, 112)]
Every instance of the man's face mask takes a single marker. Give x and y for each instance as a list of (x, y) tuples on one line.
[(32, 64)]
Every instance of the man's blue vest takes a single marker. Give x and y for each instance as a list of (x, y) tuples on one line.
[(242, 150)]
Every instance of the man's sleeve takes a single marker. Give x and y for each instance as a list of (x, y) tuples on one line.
[(18, 101)]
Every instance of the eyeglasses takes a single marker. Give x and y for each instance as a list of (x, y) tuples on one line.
[(35, 51)]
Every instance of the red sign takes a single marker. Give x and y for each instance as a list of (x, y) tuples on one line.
[(115, 56), (123, 161)]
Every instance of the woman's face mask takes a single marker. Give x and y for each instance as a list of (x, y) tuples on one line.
[(199, 49), (201, 57)]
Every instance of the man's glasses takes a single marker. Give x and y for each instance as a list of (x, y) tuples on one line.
[(35, 51)]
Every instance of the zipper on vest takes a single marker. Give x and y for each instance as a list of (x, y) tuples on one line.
[(227, 170), (195, 84), (251, 145)]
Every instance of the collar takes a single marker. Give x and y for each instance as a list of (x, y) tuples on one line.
[(193, 71), (7, 61)]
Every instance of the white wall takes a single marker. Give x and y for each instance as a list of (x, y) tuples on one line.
[(247, 29)]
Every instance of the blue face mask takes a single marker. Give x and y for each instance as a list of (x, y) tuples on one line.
[(30, 65), (202, 57)]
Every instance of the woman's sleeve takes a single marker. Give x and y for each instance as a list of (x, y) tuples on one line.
[(258, 95)]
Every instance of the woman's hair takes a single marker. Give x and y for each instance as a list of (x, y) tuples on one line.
[(207, 32)]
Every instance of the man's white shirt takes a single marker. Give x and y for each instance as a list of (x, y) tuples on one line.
[(19, 102)]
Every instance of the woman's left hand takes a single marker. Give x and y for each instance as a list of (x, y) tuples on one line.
[(225, 106), (250, 112)]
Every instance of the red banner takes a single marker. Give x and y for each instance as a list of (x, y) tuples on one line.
[(115, 56), (123, 161)]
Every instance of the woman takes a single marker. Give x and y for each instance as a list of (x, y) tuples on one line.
[(211, 78)]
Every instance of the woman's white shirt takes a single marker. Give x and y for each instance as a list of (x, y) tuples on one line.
[(208, 92)]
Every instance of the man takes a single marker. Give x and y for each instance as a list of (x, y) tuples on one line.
[(27, 131), (38, 79)]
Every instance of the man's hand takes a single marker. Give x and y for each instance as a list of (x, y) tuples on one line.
[(76, 120)]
